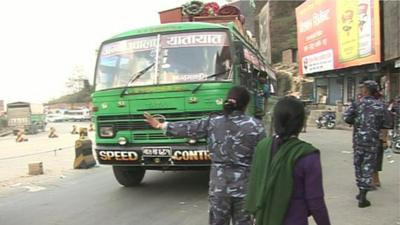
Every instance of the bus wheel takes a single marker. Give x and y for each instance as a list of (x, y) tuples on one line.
[(128, 176)]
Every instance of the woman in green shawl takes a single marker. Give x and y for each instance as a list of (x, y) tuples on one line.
[(285, 185)]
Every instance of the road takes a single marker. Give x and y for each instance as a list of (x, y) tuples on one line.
[(95, 198), (92, 197)]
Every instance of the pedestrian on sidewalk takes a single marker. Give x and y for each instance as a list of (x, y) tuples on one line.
[(285, 185), (367, 117), (231, 139)]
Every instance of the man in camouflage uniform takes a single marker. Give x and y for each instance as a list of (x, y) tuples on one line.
[(367, 116), (231, 141)]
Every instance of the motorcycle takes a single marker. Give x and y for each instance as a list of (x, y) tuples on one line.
[(396, 144), (395, 138), (326, 119)]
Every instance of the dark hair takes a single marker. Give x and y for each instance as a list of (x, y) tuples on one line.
[(372, 91), (289, 117), (237, 99)]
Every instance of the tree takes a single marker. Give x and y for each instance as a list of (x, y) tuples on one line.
[(77, 81), (79, 88)]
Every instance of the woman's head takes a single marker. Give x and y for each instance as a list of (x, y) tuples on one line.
[(237, 99), (288, 117)]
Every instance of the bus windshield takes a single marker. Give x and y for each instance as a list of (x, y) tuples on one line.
[(178, 58)]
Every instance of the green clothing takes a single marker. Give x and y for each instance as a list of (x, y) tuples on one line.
[(271, 179)]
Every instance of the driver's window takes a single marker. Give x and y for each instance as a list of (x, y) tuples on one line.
[(133, 63)]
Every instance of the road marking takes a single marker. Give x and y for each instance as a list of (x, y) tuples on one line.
[(34, 188)]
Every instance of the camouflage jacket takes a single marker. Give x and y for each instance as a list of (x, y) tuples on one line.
[(231, 142), (396, 115), (367, 116), (396, 106)]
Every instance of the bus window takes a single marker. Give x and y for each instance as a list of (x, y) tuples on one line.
[(118, 61), (193, 57)]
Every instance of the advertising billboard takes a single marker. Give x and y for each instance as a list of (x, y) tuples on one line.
[(337, 34)]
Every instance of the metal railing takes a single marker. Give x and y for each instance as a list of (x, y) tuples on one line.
[(37, 153)]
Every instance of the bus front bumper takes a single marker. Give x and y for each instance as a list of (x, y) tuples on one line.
[(154, 156)]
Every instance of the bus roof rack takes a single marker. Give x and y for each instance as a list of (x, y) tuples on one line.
[(175, 15)]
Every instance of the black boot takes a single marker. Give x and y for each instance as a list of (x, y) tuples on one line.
[(362, 199), (358, 195)]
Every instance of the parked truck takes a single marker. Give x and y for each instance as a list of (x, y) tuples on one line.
[(25, 116)]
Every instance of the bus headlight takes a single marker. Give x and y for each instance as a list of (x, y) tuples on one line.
[(219, 101), (106, 131), (122, 141), (192, 141)]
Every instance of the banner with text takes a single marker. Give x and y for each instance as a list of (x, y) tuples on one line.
[(337, 34)]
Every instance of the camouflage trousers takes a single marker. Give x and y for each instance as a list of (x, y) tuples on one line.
[(365, 159), (223, 209)]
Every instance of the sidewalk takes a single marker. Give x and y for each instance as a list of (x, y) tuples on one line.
[(57, 155)]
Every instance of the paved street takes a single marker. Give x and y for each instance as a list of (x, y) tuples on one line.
[(95, 198), (339, 184), (92, 197)]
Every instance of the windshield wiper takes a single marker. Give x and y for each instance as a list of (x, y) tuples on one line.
[(136, 76), (209, 76)]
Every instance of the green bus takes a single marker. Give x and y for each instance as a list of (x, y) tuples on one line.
[(176, 71)]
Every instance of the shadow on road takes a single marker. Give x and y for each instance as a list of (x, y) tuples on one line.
[(172, 183)]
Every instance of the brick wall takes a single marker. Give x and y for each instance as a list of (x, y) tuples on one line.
[(289, 56)]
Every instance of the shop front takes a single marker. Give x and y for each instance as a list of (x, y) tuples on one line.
[(331, 87)]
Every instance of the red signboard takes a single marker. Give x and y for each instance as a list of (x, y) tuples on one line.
[(337, 34)]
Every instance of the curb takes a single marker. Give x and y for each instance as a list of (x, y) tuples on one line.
[(5, 133)]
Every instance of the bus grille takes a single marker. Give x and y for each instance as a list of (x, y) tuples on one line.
[(138, 123), (157, 136)]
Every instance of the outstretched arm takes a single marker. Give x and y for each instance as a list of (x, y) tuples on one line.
[(194, 128)]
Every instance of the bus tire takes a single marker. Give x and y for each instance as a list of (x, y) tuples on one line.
[(128, 176)]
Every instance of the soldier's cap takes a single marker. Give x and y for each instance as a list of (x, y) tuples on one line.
[(370, 84)]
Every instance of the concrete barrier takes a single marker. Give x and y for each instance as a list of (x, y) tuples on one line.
[(83, 153), (21, 136), (74, 130), (83, 133), (52, 133), (35, 168)]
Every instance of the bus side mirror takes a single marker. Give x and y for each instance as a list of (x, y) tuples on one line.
[(239, 52)]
